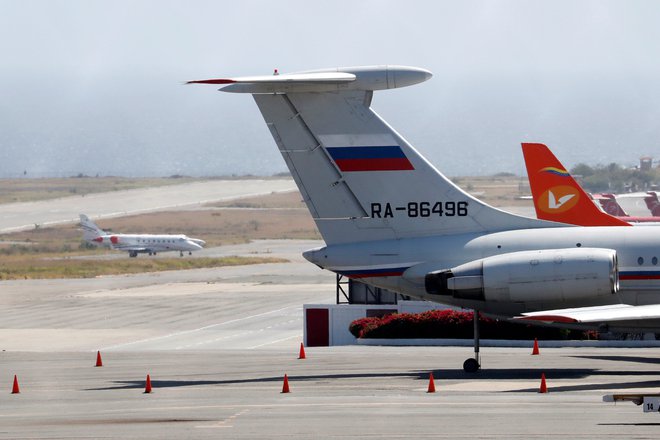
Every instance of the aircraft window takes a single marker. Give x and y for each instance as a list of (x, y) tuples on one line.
[(654, 261), (640, 261), (499, 246), (578, 244)]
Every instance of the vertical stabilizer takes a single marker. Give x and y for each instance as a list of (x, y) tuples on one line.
[(360, 179), (90, 230), (557, 196)]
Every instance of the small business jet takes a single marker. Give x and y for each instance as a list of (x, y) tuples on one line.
[(390, 219), (136, 244)]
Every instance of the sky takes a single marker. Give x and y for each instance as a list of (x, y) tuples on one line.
[(96, 87)]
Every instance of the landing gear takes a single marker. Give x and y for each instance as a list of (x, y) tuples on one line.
[(189, 252), (472, 365), (180, 253), (132, 254)]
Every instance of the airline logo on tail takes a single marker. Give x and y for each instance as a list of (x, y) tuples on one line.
[(558, 199)]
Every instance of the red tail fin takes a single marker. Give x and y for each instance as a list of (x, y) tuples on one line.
[(557, 196), (652, 203), (610, 205)]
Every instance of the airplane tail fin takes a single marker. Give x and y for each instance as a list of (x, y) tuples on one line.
[(557, 196), (360, 179), (90, 230), (652, 203), (610, 205)]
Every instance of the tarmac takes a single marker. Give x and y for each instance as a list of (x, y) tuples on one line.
[(217, 342)]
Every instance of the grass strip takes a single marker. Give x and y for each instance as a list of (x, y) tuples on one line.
[(31, 268)]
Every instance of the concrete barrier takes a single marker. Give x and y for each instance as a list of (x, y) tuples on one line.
[(327, 324)]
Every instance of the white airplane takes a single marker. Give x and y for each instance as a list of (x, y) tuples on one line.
[(135, 244), (392, 220)]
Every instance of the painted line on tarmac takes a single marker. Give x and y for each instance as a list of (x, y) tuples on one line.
[(273, 342), (206, 327)]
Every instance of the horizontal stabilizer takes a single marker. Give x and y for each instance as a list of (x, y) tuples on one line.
[(325, 80), (299, 78)]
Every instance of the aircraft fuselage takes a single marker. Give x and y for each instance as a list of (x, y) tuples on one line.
[(400, 265)]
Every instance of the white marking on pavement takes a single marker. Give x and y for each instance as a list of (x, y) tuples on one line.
[(206, 327)]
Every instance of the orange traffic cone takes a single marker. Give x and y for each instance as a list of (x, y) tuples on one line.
[(543, 388), (285, 386), (431, 384), (535, 350), (147, 387), (302, 351), (15, 389), (99, 362)]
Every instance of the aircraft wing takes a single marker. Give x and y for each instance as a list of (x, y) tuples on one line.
[(616, 316)]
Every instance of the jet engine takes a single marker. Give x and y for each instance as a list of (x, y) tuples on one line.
[(529, 276)]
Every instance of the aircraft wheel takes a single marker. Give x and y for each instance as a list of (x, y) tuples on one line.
[(189, 253), (471, 365)]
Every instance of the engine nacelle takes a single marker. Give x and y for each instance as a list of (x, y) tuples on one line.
[(530, 276)]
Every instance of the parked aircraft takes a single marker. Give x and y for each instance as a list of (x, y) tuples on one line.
[(652, 202), (391, 219), (610, 204), (135, 244), (548, 179)]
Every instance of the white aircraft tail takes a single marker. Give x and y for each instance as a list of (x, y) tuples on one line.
[(360, 179), (90, 230)]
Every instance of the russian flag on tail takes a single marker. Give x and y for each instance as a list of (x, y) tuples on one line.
[(385, 158)]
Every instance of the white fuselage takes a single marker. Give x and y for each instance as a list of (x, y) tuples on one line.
[(400, 265), (148, 243)]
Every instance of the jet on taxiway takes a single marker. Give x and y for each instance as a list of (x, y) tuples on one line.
[(135, 244)]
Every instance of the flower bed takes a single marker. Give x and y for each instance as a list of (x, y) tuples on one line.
[(456, 325)]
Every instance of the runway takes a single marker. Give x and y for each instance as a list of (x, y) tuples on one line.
[(217, 343), (20, 216)]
